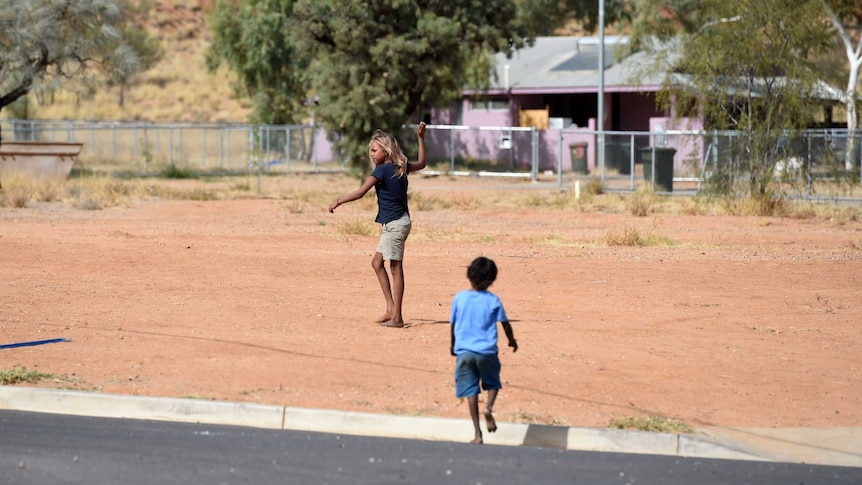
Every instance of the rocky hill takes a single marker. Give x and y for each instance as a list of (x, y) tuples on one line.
[(177, 89)]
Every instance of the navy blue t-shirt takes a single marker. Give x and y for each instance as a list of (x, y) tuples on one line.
[(391, 193)]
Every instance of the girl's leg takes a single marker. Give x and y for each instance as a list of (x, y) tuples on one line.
[(473, 404), (397, 270), (383, 278)]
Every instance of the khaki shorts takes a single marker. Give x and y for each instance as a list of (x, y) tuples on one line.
[(392, 239)]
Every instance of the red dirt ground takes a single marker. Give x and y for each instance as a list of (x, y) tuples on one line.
[(743, 321)]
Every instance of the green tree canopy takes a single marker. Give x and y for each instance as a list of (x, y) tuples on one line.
[(254, 39), (741, 65), (376, 63), (49, 44)]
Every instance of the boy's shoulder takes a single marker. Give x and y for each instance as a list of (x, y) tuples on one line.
[(477, 294)]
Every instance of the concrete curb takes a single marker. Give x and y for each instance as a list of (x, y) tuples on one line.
[(794, 446)]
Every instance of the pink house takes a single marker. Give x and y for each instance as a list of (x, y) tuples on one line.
[(553, 86)]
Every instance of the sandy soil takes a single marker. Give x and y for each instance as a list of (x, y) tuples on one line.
[(742, 321)]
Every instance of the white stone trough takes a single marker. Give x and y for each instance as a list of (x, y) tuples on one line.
[(38, 159)]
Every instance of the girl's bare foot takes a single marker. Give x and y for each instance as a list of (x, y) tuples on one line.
[(385, 318), (392, 323), (477, 440)]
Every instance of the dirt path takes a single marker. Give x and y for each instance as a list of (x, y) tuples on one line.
[(742, 321)]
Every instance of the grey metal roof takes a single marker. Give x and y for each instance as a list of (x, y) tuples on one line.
[(570, 64), (556, 65)]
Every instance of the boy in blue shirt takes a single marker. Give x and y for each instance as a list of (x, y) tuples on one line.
[(475, 314)]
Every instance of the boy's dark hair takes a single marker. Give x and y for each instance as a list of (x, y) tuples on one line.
[(482, 273)]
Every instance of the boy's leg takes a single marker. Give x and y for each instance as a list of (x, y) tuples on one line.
[(467, 386), (473, 403), (490, 423), (383, 279), (489, 372)]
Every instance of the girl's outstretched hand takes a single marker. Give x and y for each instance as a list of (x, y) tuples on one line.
[(420, 132)]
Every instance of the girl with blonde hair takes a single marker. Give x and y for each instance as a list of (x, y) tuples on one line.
[(389, 179)]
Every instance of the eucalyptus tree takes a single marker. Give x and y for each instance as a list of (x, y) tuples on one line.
[(254, 39), (845, 17), (46, 45), (740, 65), (374, 64)]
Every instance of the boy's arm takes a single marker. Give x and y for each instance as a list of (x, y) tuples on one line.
[(510, 335)]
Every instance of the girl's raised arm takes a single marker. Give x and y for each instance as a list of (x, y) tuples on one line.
[(420, 164)]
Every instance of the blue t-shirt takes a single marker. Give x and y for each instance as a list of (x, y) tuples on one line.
[(391, 193), (475, 315)]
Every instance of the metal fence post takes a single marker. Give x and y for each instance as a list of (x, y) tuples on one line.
[(259, 156), (451, 150), (314, 145), (287, 148), (220, 144), (560, 159), (534, 171), (134, 142), (251, 145)]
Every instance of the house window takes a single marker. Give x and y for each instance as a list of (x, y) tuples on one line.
[(490, 104)]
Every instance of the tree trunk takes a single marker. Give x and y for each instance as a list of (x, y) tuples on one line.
[(852, 116), (854, 57)]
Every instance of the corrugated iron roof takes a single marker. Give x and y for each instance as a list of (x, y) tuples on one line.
[(570, 64)]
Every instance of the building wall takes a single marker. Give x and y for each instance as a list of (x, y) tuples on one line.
[(471, 117), (634, 111)]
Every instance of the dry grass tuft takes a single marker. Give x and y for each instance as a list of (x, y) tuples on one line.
[(17, 191), (22, 375), (521, 416), (641, 201), (94, 193), (434, 234), (632, 236), (557, 240), (658, 424), (768, 205), (354, 226)]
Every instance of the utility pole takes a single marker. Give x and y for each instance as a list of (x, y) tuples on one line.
[(600, 119)]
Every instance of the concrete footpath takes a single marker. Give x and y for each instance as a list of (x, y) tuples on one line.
[(824, 446)]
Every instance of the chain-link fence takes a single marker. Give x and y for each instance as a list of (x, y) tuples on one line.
[(142, 148), (808, 164), (811, 164)]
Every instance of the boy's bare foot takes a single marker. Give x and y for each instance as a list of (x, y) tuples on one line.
[(385, 318), (477, 441), (392, 324), (489, 422)]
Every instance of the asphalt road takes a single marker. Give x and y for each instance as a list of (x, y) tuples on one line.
[(39, 449)]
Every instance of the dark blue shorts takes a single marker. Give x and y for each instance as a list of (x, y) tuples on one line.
[(470, 368)]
